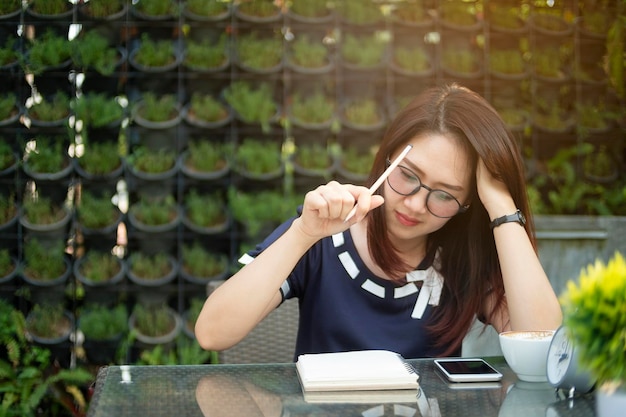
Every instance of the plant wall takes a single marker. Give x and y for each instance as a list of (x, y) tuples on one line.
[(173, 134)]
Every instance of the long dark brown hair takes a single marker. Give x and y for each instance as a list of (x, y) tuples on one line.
[(469, 262)]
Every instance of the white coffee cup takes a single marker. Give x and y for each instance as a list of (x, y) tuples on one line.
[(526, 353)]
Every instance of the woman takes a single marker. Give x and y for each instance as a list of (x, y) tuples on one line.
[(449, 244)]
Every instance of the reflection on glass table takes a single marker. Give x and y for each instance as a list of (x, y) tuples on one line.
[(273, 390)]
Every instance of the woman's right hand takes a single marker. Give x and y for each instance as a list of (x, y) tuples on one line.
[(326, 207)]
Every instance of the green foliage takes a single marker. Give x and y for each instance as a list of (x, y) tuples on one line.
[(100, 158), (199, 262), (49, 155), (594, 310), (186, 352), (207, 108), (159, 212), (207, 8), (150, 266), (27, 380), (616, 45), (98, 266), (92, 51), (264, 208), (147, 160), (364, 112), (205, 54), (205, 210), (414, 12), (44, 263), (97, 109), (205, 155), (313, 156), (50, 7), (8, 207), (8, 105), (103, 8), (361, 12), (258, 157), (317, 107), (252, 104), (48, 51), (507, 61), (96, 212), (48, 320), (259, 8), (7, 265), (153, 320), (259, 52), (40, 210), (355, 160), (412, 58), (157, 7), (458, 12), (51, 109), (195, 307), (461, 60), (310, 8), (157, 109), (363, 50), (8, 54), (8, 6), (100, 322), (308, 53), (154, 53)]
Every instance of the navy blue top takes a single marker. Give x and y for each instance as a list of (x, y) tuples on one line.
[(344, 306)]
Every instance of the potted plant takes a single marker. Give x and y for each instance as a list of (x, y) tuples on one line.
[(312, 11), (157, 112), (155, 9), (252, 104), (98, 110), (150, 161), (8, 158), (309, 55), (365, 51), (207, 55), (360, 12), (92, 51), (28, 379), (313, 159), (9, 109), (362, 114), (411, 60), (156, 215), (355, 162), (190, 316), (9, 54), (459, 14), (152, 172), (48, 324), (198, 265), (154, 55), (507, 63), (100, 161), (51, 111), (45, 265), (154, 324), (259, 53), (97, 269), (411, 14), (49, 51), (461, 60), (258, 11), (260, 159), (104, 9), (8, 211), (8, 266), (97, 212), (205, 110), (41, 217), (207, 10), (315, 110), (10, 8), (594, 320), (205, 212), (49, 7), (151, 270), (103, 327), (48, 159), (206, 159)]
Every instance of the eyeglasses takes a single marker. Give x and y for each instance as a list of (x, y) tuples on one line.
[(440, 203)]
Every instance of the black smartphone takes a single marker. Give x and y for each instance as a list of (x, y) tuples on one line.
[(467, 370)]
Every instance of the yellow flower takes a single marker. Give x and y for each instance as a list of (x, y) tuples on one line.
[(594, 311)]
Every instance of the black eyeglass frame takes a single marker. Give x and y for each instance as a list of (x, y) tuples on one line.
[(462, 208)]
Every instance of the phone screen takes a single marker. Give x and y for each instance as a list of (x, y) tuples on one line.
[(460, 370)]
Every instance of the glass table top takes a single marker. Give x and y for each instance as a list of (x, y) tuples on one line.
[(273, 390)]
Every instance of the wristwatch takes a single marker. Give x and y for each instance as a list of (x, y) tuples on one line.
[(518, 217)]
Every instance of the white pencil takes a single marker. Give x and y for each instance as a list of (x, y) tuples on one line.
[(382, 178)]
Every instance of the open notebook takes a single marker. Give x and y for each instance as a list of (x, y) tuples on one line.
[(356, 371)]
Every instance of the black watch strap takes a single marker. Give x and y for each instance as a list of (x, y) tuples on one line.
[(518, 217)]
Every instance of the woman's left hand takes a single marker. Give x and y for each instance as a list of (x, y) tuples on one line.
[(493, 193)]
